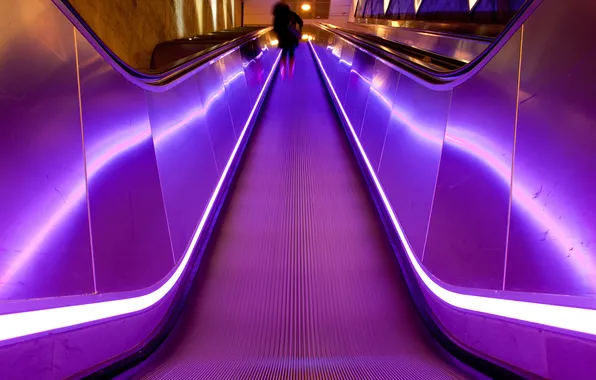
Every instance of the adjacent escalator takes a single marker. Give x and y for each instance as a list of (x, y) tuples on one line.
[(168, 52)]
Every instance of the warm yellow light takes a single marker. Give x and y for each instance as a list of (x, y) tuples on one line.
[(305, 36), (274, 42), (305, 7)]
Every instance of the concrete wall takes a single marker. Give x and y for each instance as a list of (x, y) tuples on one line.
[(132, 28)]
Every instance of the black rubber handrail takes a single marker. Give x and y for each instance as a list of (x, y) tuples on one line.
[(151, 78), (424, 55), (460, 30), (421, 70), (426, 70)]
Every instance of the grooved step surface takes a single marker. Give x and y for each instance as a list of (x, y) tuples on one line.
[(300, 281)]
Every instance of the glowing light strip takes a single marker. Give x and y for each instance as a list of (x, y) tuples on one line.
[(564, 317), (214, 13), (180, 27), (225, 14), (233, 13), (32, 322)]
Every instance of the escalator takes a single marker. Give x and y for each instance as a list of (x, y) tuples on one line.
[(299, 280), (168, 52), (217, 218)]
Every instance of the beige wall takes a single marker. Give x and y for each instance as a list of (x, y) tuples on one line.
[(339, 11), (258, 12), (132, 28)]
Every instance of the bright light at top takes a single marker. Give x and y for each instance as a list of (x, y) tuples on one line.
[(417, 5), (385, 5), (471, 3), (305, 7)]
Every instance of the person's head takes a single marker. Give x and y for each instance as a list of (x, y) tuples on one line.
[(280, 8)]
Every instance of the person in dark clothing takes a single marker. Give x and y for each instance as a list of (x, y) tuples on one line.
[(288, 27)]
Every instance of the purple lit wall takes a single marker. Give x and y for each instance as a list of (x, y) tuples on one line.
[(103, 183), (492, 180)]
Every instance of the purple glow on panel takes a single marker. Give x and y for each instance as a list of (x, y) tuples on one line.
[(265, 48), (401, 115), (336, 51), (196, 112), (233, 77), (487, 152), (113, 148), (188, 119), (564, 317), (102, 155), (484, 150), (370, 83), (107, 152), (255, 59), (413, 127), (31, 322)]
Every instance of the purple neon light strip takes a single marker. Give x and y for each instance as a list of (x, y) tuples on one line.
[(32, 322), (564, 317)]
